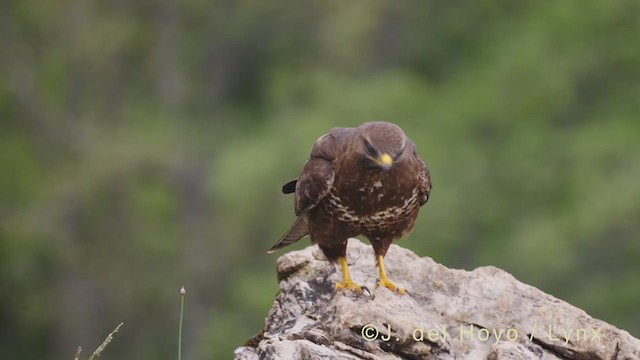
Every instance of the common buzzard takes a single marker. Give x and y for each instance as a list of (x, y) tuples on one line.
[(366, 181)]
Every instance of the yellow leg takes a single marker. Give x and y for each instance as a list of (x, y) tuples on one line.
[(347, 283), (384, 280)]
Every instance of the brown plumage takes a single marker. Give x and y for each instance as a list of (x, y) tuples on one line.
[(366, 181)]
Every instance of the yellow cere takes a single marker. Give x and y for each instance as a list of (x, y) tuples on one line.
[(386, 159)]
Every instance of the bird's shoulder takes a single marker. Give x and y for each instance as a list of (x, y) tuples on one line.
[(331, 145)]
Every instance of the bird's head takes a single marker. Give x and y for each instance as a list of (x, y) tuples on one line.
[(380, 145)]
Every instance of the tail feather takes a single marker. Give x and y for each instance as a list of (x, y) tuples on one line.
[(289, 187), (298, 230)]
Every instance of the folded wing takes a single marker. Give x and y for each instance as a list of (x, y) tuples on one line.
[(314, 183)]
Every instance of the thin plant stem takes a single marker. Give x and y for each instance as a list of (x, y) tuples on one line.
[(183, 292)]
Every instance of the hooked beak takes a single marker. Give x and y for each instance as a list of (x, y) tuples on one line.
[(385, 161)]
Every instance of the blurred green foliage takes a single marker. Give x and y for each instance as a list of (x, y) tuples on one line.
[(143, 145)]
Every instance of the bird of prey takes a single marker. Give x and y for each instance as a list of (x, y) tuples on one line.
[(366, 181)]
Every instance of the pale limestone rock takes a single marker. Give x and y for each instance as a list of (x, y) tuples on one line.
[(448, 314)]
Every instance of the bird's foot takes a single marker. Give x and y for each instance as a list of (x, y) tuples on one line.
[(391, 286), (349, 285)]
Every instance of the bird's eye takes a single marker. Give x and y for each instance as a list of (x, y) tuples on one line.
[(371, 151)]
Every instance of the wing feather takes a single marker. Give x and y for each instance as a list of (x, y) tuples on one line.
[(424, 178), (315, 182), (317, 176), (296, 232), (424, 187)]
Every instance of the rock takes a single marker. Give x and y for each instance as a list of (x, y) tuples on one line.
[(448, 314)]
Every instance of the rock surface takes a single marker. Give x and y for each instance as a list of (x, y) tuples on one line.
[(448, 314)]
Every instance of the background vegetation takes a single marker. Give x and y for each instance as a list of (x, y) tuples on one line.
[(143, 145)]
